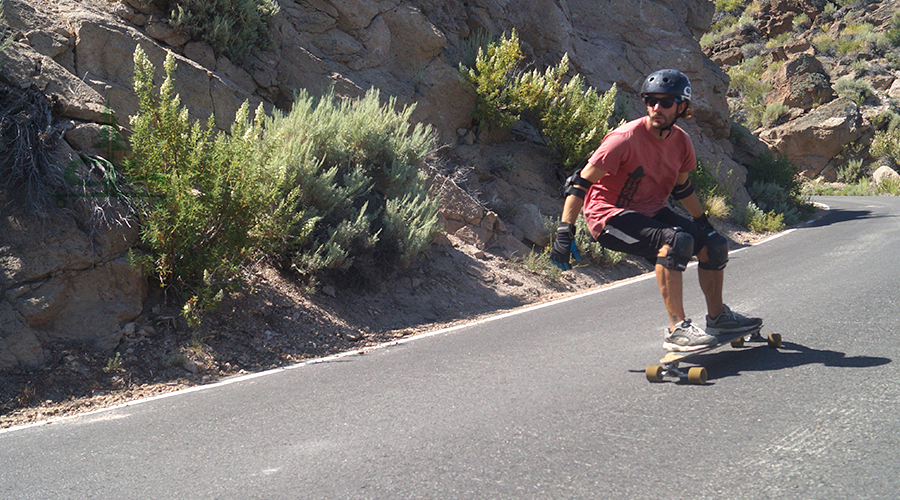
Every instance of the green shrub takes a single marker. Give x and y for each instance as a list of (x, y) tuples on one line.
[(774, 169), (825, 44), (774, 185), (470, 46), (572, 118), (773, 198), (889, 186), (729, 5), (861, 187), (893, 33), (230, 27), (713, 198), (539, 262), (852, 172), (886, 145), (491, 76), (853, 38), (773, 113), (762, 222), (855, 90), (779, 41), (747, 81), (802, 22), (204, 202), (356, 165), (886, 120)]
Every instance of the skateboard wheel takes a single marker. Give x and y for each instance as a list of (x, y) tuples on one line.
[(654, 373), (774, 340), (697, 375), (737, 342)]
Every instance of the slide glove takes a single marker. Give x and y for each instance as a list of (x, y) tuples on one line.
[(706, 226), (564, 247)]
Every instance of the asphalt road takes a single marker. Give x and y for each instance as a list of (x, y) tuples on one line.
[(548, 403)]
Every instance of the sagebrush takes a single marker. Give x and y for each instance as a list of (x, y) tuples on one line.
[(357, 165), (335, 185), (230, 27)]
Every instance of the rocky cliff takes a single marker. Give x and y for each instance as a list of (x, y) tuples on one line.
[(829, 66), (62, 280)]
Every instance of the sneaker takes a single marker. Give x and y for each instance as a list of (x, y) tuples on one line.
[(687, 337), (730, 322)]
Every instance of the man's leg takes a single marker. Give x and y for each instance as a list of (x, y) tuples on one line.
[(720, 319), (670, 250), (682, 334), (711, 283), (671, 285)]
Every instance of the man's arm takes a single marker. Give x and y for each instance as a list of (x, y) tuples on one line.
[(564, 245), (690, 203), (573, 204)]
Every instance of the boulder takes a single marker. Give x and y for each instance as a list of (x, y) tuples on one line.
[(883, 173), (801, 82), (776, 17), (817, 137), (529, 219), (461, 214)]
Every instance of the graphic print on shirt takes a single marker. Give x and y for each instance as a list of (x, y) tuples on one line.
[(630, 187)]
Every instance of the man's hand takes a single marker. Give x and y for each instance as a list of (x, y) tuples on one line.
[(705, 225), (564, 247)]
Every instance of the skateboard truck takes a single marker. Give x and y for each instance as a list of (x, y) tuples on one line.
[(669, 364)]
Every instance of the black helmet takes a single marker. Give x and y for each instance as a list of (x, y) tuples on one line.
[(668, 81)]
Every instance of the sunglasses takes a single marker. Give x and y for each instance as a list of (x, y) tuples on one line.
[(665, 102)]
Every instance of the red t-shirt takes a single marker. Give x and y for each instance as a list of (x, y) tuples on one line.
[(641, 172)]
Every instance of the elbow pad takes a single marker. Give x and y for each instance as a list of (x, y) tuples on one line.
[(682, 191), (577, 180)]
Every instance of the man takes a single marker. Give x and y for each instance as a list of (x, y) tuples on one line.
[(623, 191)]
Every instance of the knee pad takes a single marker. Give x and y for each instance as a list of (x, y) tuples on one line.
[(717, 251), (681, 249)]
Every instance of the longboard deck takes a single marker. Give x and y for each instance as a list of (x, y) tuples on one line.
[(676, 356), (697, 374)]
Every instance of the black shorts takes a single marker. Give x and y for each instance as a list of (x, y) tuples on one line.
[(636, 234)]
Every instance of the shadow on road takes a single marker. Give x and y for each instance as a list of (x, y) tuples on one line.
[(837, 216), (733, 362)]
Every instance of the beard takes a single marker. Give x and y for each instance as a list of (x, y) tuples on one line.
[(659, 121)]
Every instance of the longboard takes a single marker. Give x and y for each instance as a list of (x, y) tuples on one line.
[(668, 366)]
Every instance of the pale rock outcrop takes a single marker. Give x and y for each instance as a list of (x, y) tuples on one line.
[(883, 173)]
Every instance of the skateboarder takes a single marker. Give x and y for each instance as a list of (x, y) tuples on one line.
[(623, 191)]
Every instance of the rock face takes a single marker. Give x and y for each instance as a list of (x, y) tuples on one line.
[(62, 284), (408, 49), (65, 285)]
